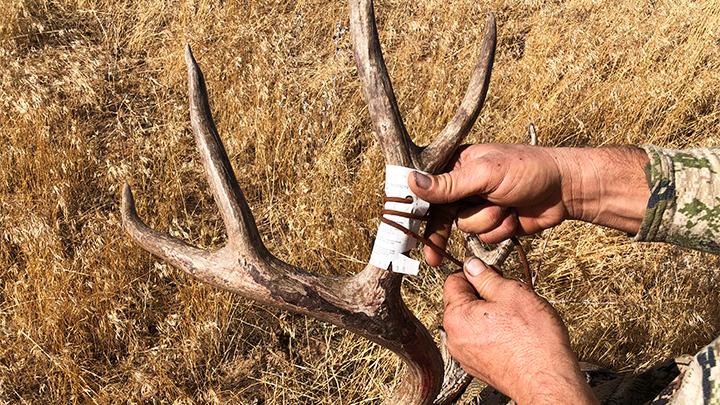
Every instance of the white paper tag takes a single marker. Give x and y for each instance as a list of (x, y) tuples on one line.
[(391, 244)]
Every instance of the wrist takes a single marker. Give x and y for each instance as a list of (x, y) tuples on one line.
[(604, 186), (559, 390)]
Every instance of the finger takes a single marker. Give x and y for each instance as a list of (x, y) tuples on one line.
[(505, 230), (486, 282), (473, 200), (481, 218), (433, 258), (438, 230), (448, 187), (457, 290)]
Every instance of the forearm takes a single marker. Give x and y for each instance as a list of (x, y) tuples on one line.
[(604, 186)]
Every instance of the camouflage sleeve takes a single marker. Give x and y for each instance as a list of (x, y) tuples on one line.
[(684, 205), (700, 381)]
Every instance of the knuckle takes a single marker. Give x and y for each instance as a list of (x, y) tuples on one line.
[(445, 186), (498, 286), (490, 286), (486, 217), (505, 229), (454, 351)]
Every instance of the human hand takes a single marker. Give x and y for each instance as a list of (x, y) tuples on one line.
[(511, 338), (500, 190), (493, 190)]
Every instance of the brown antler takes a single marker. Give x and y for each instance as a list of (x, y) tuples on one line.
[(368, 303), (394, 139)]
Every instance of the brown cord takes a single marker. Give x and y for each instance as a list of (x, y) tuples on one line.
[(436, 248), (409, 200), (523, 259)]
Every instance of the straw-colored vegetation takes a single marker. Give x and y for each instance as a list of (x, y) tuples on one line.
[(93, 94)]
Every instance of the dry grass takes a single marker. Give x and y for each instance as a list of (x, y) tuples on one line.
[(93, 94)]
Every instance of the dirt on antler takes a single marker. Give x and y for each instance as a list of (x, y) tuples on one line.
[(94, 94)]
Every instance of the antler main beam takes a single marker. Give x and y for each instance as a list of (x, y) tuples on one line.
[(368, 303)]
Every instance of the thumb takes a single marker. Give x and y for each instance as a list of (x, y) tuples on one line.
[(443, 188), (484, 279)]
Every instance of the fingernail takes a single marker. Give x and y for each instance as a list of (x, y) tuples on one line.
[(503, 209), (475, 266), (422, 181)]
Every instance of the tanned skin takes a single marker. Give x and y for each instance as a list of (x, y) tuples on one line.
[(512, 338)]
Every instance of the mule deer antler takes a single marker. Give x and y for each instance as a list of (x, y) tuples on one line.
[(368, 303)]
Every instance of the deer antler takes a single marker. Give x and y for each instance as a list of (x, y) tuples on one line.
[(394, 139), (368, 303)]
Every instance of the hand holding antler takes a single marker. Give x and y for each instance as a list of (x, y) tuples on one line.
[(498, 191), (511, 338)]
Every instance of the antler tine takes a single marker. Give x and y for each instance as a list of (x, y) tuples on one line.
[(395, 142), (532, 135), (436, 155), (236, 214), (495, 257), (174, 250), (369, 303)]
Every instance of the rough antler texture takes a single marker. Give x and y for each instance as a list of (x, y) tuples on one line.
[(368, 303), (394, 139)]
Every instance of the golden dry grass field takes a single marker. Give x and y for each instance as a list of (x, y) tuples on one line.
[(93, 94)]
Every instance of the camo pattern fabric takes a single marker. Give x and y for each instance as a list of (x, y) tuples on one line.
[(700, 383), (653, 386), (684, 209), (684, 205)]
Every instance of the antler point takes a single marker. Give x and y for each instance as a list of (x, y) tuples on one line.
[(189, 58)]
